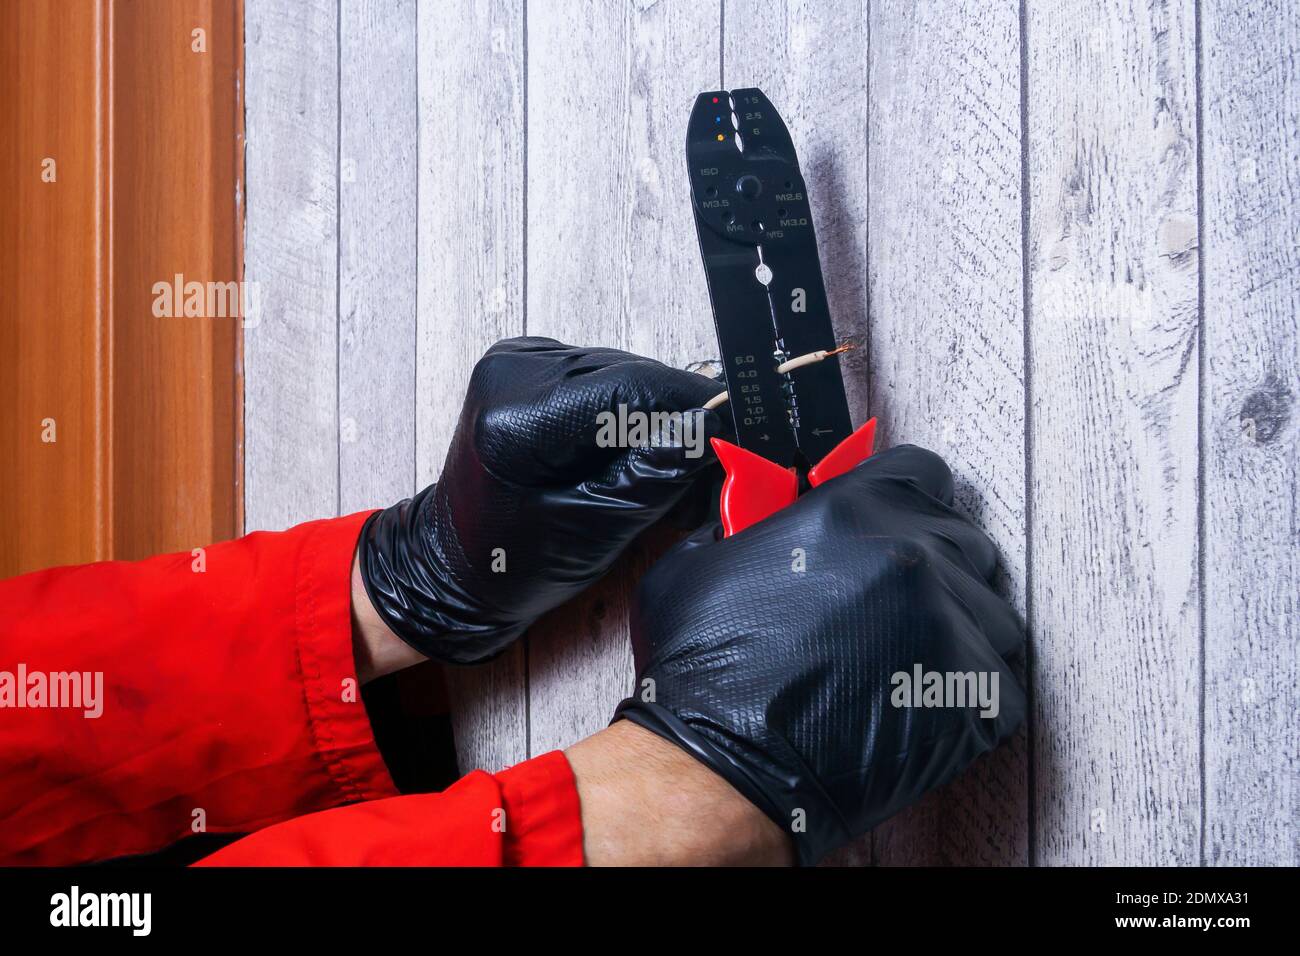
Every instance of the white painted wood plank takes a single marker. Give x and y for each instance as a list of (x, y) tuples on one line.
[(471, 283), (290, 252), (811, 59), (1251, 227), (945, 341), (612, 260), (1113, 318), (947, 335), (1114, 389), (377, 252)]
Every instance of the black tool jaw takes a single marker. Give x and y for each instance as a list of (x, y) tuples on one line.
[(750, 195), (751, 206)]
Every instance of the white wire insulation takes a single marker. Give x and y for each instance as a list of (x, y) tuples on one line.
[(798, 361)]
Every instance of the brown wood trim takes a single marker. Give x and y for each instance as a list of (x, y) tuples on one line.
[(53, 349), (237, 146), (147, 135), (103, 255)]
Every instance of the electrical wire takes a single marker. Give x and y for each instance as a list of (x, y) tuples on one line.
[(788, 366)]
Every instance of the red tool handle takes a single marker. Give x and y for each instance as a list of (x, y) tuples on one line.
[(755, 487), (845, 456)]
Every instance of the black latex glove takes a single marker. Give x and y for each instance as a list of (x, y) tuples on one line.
[(780, 679), (525, 474)]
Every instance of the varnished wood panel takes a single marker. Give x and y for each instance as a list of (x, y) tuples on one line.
[(144, 135), (177, 161), (54, 312)]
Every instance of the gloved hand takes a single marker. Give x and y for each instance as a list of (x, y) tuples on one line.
[(530, 508), (772, 656)]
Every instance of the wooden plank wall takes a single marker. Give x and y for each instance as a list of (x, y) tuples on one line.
[(1113, 385), (1065, 235), (1250, 225)]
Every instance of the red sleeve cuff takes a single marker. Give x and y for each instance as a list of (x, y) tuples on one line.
[(340, 728), (543, 815), (525, 816)]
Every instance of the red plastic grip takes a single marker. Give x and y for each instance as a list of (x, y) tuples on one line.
[(846, 455), (754, 487)]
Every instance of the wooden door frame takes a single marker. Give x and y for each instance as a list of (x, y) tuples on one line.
[(142, 119)]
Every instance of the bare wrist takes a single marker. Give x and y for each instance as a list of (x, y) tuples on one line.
[(645, 802), (375, 648)]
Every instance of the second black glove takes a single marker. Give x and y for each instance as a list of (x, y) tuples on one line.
[(838, 659)]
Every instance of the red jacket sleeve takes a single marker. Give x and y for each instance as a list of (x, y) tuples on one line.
[(143, 701), (525, 816)]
